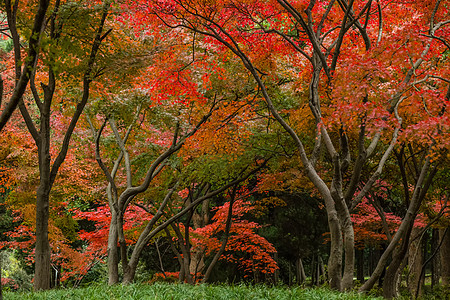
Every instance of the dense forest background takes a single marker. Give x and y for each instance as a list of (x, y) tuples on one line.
[(258, 141)]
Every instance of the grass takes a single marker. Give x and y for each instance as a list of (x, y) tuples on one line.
[(183, 291)]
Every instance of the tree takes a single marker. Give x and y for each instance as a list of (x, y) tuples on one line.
[(56, 39), (239, 243)]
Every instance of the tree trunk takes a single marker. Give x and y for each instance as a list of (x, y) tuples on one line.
[(1, 287), (360, 265), (290, 274), (403, 233), (335, 259), (415, 262), (390, 280), (42, 273), (435, 275), (445, 257), (301, 276), (349, 258), (322, 274), (276, 275), (113, 255)]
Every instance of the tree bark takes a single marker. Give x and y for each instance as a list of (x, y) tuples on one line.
[(392, 272), (112, 252), (225, 237), (1, 286), (402, 233), (415, 262), (435, 274), (445, 257), (360, 265), (336, 251), (301, 276), (42, 275)]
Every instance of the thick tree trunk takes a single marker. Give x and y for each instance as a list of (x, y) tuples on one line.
[(349, 260), (445, 257), (335, 259), (415, 262), (42, 273), (113, 255)]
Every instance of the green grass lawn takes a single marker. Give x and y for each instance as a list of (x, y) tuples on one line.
[(183, 291)]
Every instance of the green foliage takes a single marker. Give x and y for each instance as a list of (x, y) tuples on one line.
[(12, 269), (182, 291), (6, 45)]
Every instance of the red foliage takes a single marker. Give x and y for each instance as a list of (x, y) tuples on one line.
[(245, 247)]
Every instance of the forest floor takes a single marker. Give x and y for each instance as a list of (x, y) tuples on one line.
[(184, 292)]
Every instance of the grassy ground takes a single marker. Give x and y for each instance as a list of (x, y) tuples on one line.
[(182, 291)]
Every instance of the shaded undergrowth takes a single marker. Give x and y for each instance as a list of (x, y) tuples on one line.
[(183, 291)]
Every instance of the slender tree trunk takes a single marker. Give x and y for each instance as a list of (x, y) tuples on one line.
[(390, 280), (225, 237), (415, 262), (276, 275), (290, 274), (301, 276), (445, 257), (403, 233), (435, 260), (1, 287), (322, 272), (199, 220), (360, 265)]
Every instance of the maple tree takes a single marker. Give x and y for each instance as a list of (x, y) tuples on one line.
[(227, 236), (238, 236), (55, 40)]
